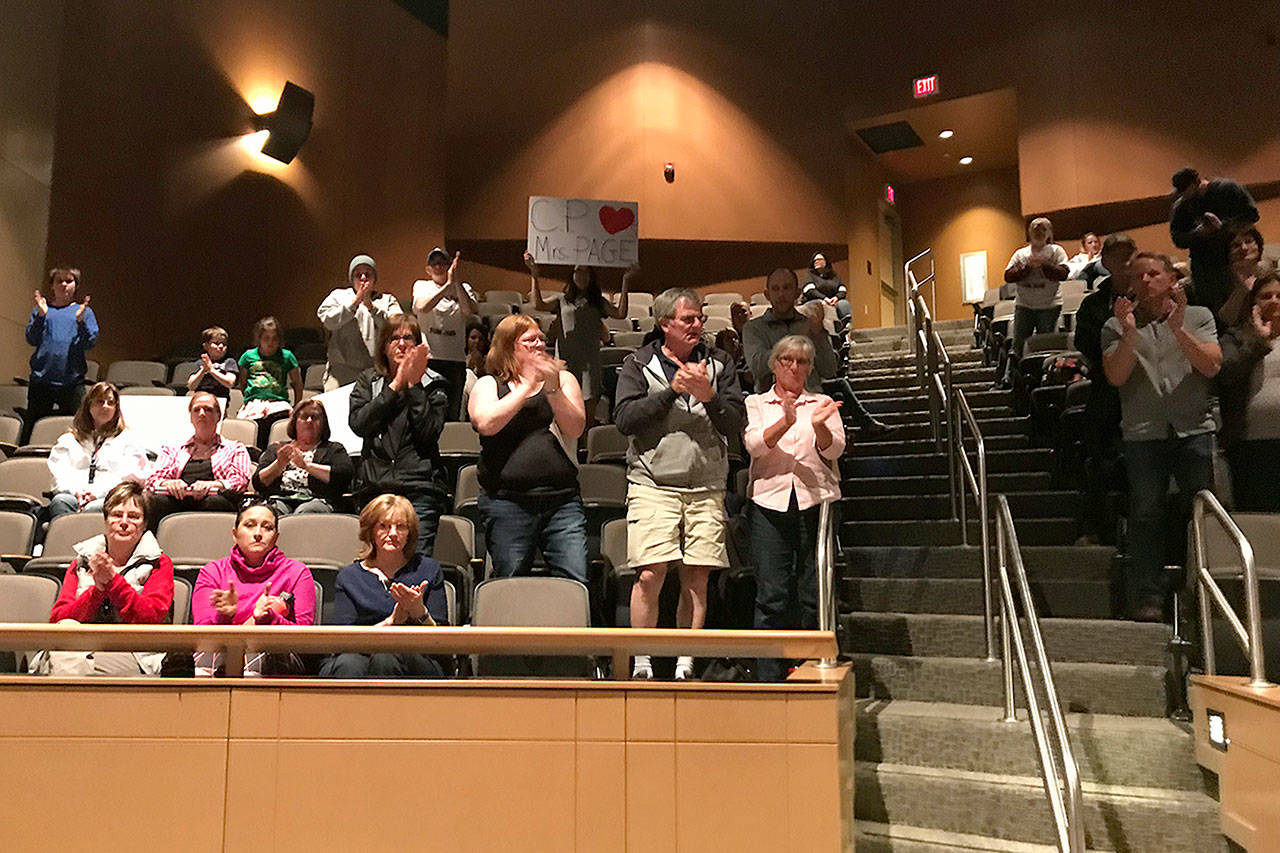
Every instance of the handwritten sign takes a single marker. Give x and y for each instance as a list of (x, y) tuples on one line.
[(584, 231)]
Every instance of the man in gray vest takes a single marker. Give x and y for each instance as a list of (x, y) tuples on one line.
[(679, 402)]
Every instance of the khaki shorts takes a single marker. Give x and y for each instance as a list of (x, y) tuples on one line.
[(656, 518)]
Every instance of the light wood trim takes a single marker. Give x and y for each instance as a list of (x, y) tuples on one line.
[(1238, 686), (470, 640)]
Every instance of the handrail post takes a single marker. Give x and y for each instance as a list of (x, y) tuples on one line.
[(1006, 629), (826, 576), (984, 530), (952, 447)]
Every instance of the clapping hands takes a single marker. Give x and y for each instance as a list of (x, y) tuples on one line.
[(103, 569), (691, 378), (409, 603), (413, 366), (1124, 313)]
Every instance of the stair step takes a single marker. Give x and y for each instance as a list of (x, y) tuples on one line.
[(1031, 531), (982, 415), (998, 462), (1111, 750), (936, 484), (872, 837), (895, 446), (1066, 599), (1098, 688), (961, 635), (888, 507), (862, 359), (1011, 425), (1134, 819), (965, 561), (971, 379)]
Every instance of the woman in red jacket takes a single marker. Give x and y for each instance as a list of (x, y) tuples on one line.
[(119, 576)]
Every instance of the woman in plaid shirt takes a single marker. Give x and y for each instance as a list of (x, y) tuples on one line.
[(206, 472)]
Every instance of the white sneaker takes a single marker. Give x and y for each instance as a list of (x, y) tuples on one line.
[(684, 668), (642, 668)]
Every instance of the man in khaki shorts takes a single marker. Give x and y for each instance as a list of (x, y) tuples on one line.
[(678, 401)]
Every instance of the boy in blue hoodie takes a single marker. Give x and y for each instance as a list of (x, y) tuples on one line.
[(61, 330)]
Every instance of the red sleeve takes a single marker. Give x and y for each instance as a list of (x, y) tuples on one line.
[(68, 606), (149, 606)]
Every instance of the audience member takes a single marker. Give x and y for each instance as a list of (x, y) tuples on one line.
[(579, 329), (256, 584), (1161, 354), (1200, 219), (529, 500), (308, 473), (678, 403), (729, 342), (1090, 246), (352, 317), (477, 352), (1245, 255), (389, 585), (1036, 269), (1249, 385), (61, 331), (267, 373), (399, 407), (793, 436), (116, 576), (740, 315), (782, 319), (95, 455), (443, 306), (217, 374), (1103, 470), (206, 472), (825, 284)]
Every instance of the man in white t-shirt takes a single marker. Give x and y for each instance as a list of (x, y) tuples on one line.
[(443, 307), (1036, 269), (353, 317)]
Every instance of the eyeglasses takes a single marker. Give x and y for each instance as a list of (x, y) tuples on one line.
[(310, 416), (793, 361), (411, 338), (534, 342), (689, 320)]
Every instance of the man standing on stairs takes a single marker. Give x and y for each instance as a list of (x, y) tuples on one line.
[(1162, 355), (760, 335), (678, 402)]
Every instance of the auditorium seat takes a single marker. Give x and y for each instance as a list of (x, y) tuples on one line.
[(722, 298), (59, 540), (245, 432), (615, 355), (465, 496), (715, 325), (13, 399), (717, 309), (17, 537), (278, 432), (25, 598), (604, 498), (605, 445), (195, 538), (759, 299), (496, 309), (644, 324), (326, 581), (122, 373), (234, 403), (321, 538), (46, 431), (147, 391), (313, 380), (92, 370), (616, 325), (23, 483), (632, 340), (459, 445), (455, 551), (510, 297), (181, 601), (532, 602), (10, 433), (181, 373)]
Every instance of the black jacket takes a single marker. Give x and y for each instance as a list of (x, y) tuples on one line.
[(341, 472), (1242, 352), (401, 432)]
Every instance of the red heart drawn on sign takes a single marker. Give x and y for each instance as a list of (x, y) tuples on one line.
[(615, 219)]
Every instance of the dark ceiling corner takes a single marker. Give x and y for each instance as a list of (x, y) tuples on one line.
[(890, 137), (433, 13)]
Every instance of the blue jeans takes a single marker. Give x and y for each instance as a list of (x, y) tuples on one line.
[(1028, 322), (514, 529), (427, 507), (1149, 465), (783, 544), (65, 503)]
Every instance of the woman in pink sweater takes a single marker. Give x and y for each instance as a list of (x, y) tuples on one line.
[(254, 584)]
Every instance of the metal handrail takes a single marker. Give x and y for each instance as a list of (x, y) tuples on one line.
[(1063, 789), (1249, 635), (825, 559), (929, 279), (977, 482)]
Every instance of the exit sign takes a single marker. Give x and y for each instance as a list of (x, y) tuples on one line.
[(924, 87), (888, 193)]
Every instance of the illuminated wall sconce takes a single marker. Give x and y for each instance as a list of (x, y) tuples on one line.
[(289, 125)]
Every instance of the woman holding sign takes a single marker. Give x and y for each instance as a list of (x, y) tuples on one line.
[(579, 329)]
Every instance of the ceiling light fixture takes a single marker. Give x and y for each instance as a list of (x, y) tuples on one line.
[(965, 161), (946, 134)]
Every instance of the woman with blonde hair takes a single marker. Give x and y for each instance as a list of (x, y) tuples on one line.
[(94, 455), (389, 585), (529, 498)]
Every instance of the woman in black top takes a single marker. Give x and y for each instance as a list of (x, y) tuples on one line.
[(309, 473), (824, 283), (529, 486), (398, 407)]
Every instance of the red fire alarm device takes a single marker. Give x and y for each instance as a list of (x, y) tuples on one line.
[(925, 87)]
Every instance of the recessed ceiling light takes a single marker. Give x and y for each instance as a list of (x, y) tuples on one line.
[(965, 161), (946, 134)]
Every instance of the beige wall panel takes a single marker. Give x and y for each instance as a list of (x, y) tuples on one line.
[(812, 719), (601, 797), (651, 715), (427, 714), (1250, 785), (601, 715), (252, 804), (73, 791), (255, 713), (38, 711), (819, 809), (733, 718), (651, 797), (715, 780)]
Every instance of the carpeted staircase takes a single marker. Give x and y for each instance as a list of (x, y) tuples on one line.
[(936, 768)]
